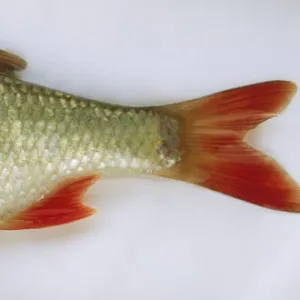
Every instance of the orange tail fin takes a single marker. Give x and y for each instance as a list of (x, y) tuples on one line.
[(215, 155)]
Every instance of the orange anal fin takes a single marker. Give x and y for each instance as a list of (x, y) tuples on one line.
[(61, 206)]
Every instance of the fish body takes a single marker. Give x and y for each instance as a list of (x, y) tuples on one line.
[(48, 136), (54, 145)]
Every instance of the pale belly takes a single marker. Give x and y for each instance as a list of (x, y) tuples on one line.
[(26, 183), (34, 163)]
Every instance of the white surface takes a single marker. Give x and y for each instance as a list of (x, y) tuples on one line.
[(157, 239)]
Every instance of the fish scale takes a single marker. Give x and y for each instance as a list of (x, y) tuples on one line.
[(43, 132)]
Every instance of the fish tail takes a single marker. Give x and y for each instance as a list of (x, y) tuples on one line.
[(215, 154)]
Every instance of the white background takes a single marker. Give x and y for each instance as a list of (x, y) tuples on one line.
[(159, 239)]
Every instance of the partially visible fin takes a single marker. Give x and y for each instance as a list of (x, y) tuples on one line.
[(215, 155), (61, 206), (9, 63)]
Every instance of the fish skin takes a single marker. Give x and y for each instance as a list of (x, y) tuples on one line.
[(48, 136), (54, 145)]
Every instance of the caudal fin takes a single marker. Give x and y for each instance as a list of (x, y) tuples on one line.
[(215, 155)]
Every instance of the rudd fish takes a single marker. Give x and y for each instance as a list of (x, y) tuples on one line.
[(54, 145)]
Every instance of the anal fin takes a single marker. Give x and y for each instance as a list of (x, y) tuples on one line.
[(61, 206)]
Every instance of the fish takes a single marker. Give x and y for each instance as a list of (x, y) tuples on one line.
[(54, 146)]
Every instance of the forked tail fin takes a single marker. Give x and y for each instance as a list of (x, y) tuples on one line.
[(215, 155)]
